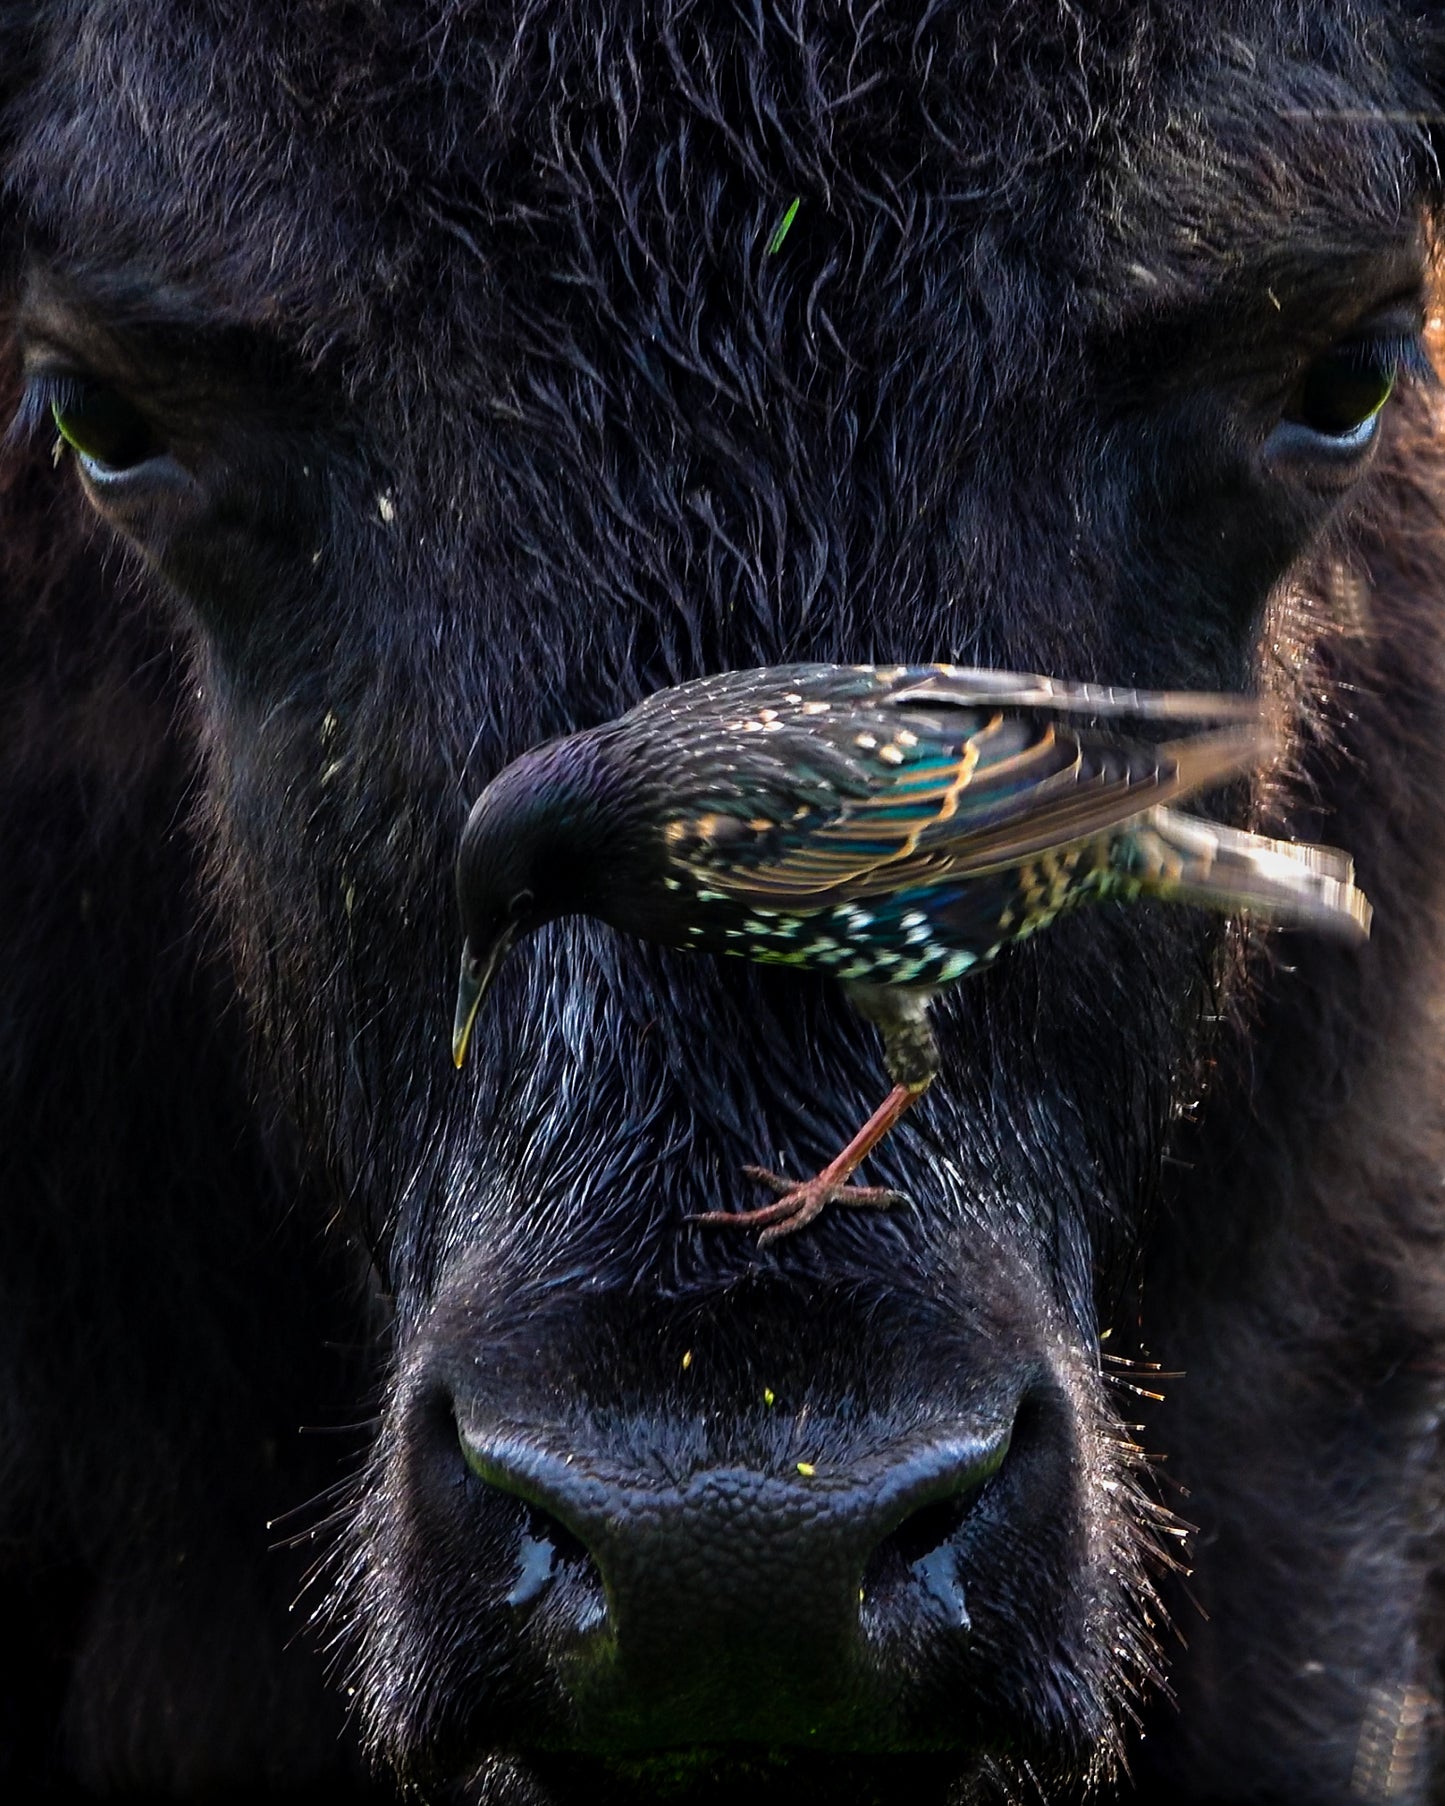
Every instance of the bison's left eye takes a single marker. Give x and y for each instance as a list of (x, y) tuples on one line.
[(1345, 390), (1332, 417)]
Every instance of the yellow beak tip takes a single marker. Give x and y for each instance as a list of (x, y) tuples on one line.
[(468, 1004)]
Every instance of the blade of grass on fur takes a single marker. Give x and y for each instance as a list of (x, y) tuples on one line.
[(780, 231)]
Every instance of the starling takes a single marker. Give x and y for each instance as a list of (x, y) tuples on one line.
[(895, 826)]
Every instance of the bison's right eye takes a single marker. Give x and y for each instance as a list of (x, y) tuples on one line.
[(107, 433), (103, 429), (123, 461)]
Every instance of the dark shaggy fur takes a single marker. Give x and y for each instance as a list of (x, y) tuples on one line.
[(172, 1314), (473, 406)]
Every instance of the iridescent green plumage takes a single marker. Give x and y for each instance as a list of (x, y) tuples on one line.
[(897, 827)]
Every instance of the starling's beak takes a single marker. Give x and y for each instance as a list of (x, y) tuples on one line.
[(477, 974)]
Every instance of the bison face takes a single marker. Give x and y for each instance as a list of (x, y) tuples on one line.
[(452, 385)]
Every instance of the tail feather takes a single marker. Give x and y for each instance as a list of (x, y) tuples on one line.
[(1206, 761), (1187, 860)]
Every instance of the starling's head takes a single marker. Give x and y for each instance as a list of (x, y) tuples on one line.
[(524, 856)]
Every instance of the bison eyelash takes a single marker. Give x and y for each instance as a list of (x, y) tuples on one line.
[(1402, 357), (108, 434), (46, 393)]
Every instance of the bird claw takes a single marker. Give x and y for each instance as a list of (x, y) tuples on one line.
[(831, 1191), (799, 1202)]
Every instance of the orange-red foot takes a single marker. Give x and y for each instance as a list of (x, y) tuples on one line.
[(799, 1204)]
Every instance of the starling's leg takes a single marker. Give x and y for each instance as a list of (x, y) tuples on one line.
[(800, 1203)]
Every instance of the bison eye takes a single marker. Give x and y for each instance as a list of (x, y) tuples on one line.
[(1331, 420), (1344, 391), (105, 431), (1335, 409), (124, 463)]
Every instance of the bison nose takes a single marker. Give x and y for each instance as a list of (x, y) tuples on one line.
[(759, 1602)]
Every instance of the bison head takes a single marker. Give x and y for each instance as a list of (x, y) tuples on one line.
[(445, 370)]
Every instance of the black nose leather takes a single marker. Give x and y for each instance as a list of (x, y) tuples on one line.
[(736, 1603)]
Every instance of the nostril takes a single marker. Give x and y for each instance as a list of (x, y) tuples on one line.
[(548, 1554), (916, 1566), (552, 1566), (920, 1535)]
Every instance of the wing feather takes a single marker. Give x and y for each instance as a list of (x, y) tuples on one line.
[(961, 686), (964, 802), (943, 687)]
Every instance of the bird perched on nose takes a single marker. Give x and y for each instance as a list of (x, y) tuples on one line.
[(895, 826)]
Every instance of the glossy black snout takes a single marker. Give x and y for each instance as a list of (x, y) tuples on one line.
[(793, 1518), (801, 1604)]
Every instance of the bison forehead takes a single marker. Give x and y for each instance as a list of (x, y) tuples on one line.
[(558, 328), (581, 161)]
